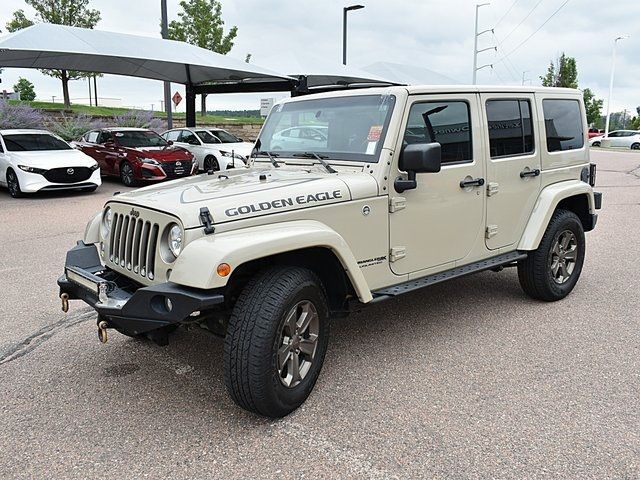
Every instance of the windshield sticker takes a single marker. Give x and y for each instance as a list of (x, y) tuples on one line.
[(119, 134), (371, 148), (374, 133)]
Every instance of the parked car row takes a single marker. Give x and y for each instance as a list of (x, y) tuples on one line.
[(37, 160), (617, 139)]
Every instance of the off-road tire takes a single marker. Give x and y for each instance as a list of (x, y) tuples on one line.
[(13, 184), (211, 163), (535, 272), (254, 335)]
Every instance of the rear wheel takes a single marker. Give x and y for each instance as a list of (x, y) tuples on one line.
[(127, 177), (276, 341), (595, 144), (211, 163), (550, 272), (13, 184)]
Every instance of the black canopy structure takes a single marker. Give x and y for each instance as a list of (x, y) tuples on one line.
[(202, 71)]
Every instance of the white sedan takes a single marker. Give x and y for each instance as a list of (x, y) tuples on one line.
[(36, 160), (618, 139), (208, 150)]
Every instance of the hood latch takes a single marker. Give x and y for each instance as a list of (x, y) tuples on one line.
[(207, 221)]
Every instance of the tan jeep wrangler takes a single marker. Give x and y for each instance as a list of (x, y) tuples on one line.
[(352, 198)]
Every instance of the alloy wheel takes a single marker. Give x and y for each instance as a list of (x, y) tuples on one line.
[(563, 256), (12, 184), (298, 343), (127, 175)]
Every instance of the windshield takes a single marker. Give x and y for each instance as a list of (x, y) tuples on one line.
[(225, 137), (27, 142), (206, 137), (139, 138), (339, 128)]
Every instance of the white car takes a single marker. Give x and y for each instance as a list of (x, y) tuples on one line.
[(307, 137), (208, 150), (36, 160), (618, 139), (231, 142)]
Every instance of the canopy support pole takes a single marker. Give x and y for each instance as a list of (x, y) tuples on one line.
[(191, 101)]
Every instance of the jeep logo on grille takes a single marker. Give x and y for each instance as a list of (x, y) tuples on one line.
[(70, 171), (134, 213)]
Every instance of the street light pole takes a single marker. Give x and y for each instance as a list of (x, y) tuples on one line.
[(613, 71), (475, 43), (167, 85), (344, 29)]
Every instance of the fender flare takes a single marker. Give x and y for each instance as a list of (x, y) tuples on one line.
[(92, 230), (196, 265), (546, 204)]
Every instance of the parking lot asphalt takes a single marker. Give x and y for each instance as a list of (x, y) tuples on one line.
[(467, 379)]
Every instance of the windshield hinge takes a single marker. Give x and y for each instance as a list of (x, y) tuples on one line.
[(397, 203), (207, 221)]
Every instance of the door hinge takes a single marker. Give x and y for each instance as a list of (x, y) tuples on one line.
[(492, 188), (492, 231), (397, 203), (397, 253)]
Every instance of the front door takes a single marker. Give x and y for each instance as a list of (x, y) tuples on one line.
[(439, 223), (513, 168)]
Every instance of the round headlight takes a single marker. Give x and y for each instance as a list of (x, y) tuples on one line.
[(175, 239), (105, 225)]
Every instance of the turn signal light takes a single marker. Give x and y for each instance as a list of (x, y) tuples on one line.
[(224, 269)]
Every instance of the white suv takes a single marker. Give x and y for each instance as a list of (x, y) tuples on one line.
[(208, 150)]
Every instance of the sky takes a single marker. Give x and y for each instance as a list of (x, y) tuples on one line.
[(436, 34)]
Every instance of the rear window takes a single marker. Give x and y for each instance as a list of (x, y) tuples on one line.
[(563, 125)]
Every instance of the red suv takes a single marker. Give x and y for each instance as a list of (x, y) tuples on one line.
[(136, 155)]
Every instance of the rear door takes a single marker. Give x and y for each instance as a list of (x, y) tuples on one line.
[(513, 167)]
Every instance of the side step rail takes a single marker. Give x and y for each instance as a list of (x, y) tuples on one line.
[(411, 285)]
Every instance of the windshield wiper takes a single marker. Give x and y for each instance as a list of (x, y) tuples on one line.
[(320, 158), (271, 156)]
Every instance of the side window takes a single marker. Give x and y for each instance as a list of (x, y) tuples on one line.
[(92, 137), (172, 135), (563, 125), (105, 137), (189, 137), (510, 127), (448, 123)]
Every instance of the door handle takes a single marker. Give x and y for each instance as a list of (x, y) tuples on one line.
[(530, 173), (475, 182)]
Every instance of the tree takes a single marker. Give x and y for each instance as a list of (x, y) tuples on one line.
[(593, 106), (200, 23), (562, 73), (26, 90), (74, 13)]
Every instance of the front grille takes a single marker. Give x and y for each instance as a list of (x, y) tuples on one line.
[(68, 174), (133, 243), (174, 170)]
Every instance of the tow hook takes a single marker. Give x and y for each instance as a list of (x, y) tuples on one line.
[(65, 302), (102, 331)]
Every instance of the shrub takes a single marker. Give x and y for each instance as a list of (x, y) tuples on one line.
[(74, 126), (140, 119), (19, 116)]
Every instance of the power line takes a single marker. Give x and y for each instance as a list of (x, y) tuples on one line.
[(536, 31), (506, 13), (523, 20)]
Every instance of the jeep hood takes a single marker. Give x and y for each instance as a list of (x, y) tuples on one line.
[(247, 193)]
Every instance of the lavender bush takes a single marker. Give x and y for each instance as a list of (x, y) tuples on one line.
[(19, 116), (72, 127), (140, 119)]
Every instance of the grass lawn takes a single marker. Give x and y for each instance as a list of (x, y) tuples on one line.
[(113, 111)]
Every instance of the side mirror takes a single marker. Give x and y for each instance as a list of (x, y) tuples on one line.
[(169, 142), (240, 140), (418, 158)]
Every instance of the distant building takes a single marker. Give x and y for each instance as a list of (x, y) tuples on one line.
[(10, 95)]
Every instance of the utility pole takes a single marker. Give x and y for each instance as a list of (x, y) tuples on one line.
[(167, 85), (475, 45), (523, 77), (345, 10), (613, 71)]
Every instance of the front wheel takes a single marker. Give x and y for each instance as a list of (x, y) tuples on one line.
[(550, 272), (127, 176), (13, 184), (276, 341), (635, 146), (595, 144), (211, 164)]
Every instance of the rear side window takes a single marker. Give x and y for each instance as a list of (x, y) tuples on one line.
[(448, 123), (172, 135), (92, 137), (510, 127), (563, 125)]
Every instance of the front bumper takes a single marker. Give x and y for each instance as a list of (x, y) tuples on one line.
[(34, 182), (124, 304)]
